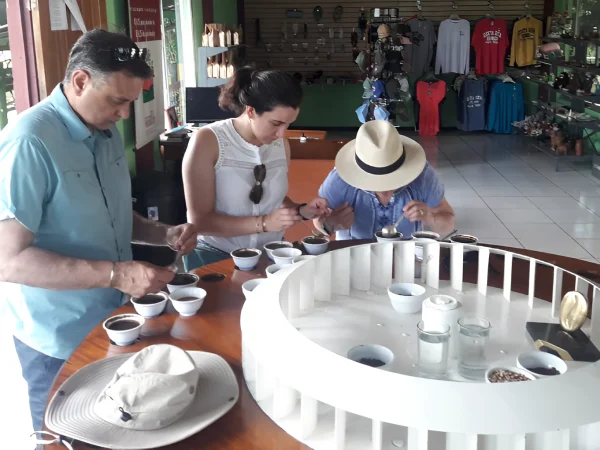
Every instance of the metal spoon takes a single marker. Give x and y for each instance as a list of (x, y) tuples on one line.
[(314, 233), (391, 230), (446, 237)]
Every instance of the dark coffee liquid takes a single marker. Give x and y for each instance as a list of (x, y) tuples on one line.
[(544, 371), (244, 253), (182, 279), (186, 299), (314, 240), (149, 299), (463, 240), (372, 362), (122, 325), (395, 235), (274, 246), (424, 236)]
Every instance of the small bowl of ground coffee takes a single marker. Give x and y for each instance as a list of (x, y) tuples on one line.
[(372, 355), (246, 258), (124, 329), (507, 375), (150, 305), (541, 364), (183, 280), (464, 239)]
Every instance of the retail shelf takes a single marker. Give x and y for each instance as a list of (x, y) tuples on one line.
[(592, 101), (209, 52), (562, 63), (573, 42)]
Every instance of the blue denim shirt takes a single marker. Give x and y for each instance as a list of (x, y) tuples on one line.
[(370, 215), (72, 189)]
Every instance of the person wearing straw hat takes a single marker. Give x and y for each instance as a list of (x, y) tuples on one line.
[(379, 177)]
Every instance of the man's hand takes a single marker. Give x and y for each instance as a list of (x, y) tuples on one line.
[(341, 218), (317, 207), (416, 211), (182, 238), (139, 278)]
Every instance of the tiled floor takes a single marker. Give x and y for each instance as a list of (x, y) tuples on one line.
[(502, 192), (505, 192)]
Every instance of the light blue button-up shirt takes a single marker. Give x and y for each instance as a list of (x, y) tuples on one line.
[(72, 189), (370, 215)]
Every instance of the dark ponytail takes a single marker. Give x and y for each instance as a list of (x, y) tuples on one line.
[(263, 90)]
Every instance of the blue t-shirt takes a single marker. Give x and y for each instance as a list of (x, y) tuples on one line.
[(370, 215), (72, 189)]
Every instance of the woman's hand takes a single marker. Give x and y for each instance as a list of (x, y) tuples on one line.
[(281, 219), (317, 207), (341, 218)]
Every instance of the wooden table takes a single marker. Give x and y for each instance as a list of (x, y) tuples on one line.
[(216, 329)]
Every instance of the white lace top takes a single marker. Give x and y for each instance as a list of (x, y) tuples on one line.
[(234, 179)]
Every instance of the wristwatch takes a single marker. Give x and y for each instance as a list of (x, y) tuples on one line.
[(299, 213)]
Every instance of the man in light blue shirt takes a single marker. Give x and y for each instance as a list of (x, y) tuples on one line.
[(66, 218), (378, 178)]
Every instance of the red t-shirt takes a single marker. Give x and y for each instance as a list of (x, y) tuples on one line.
[(429, 96), (490, 40)]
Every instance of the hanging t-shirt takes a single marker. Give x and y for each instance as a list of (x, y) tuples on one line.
[(423, 38), (429, 96), (453, 46), (471, 105), (526, 39), (490, 41)]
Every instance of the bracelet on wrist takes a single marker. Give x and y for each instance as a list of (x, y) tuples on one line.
[(258, 223), (112, 274), (264, 224)]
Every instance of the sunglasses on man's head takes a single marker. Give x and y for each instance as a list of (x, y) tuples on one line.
[(260, 173), (124, 54)]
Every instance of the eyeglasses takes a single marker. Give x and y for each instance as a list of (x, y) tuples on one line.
[(260, 173), (124, 54)]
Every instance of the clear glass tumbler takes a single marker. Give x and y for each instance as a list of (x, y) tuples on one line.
[(434, 342), (473, 334)]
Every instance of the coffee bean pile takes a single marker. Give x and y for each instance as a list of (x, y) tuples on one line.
[(506, 376)]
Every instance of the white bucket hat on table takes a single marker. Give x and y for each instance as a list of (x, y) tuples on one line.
[(158, 396), (380, 159)]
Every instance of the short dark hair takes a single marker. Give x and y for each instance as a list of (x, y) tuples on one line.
[(95, 52), (263, 90)]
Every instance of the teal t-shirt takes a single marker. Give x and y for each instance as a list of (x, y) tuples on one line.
[(72, 189)]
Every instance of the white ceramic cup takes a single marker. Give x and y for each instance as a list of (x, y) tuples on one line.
[(406, 298), (124, 337), (537, 359), (285, 256), (271, 250), (380, 238), (273, 269), (188, 307), (315, 249), (193, 281), (246, 262), (250, 285), (149, 310)]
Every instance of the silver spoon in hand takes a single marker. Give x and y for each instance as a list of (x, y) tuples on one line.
[(391, 230)]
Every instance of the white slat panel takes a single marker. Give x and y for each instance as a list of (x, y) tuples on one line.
[(417, 439), (459, 441), (309, 415), (323, 278), (456, 266), (404, 262), (431, 261), (293, 298), (339, 432), (340, 273), (532, 264), (284, 400), (381, 267), (508, 258), (595, 332), (307, 287), (581, 286), (377, 435), (360, 268), (483, 269), (556, 291)]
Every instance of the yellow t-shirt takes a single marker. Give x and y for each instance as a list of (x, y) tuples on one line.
[(526, 39)]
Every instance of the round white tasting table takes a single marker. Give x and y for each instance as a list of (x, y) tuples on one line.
[(299, 325)]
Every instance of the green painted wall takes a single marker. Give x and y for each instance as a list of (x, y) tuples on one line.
[(225, 11), (198, 21)]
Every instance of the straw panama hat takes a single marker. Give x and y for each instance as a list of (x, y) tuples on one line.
[(153, 398), (380, 159)]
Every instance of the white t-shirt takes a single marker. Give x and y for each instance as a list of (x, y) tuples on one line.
[(454, 38)]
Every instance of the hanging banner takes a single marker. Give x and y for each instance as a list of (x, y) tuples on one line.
[(145, 25)]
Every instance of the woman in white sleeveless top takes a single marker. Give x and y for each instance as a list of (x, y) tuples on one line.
[(235, 170)]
